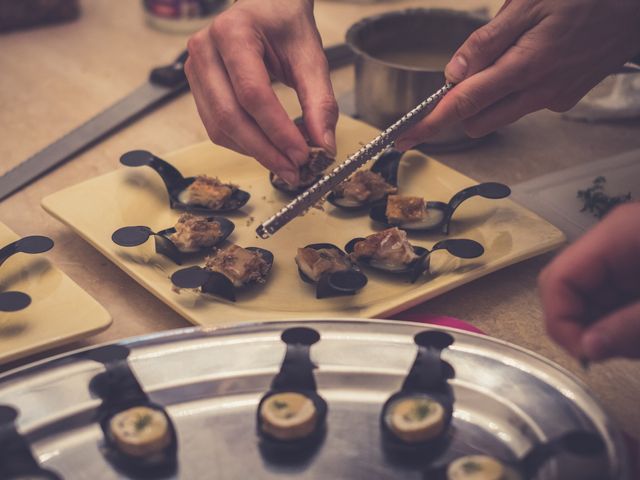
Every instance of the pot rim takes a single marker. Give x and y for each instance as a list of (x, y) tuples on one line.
[(355, 29)]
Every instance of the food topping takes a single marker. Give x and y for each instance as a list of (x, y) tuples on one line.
[(389, 247), (319, 160), (140, 431), (314, 263), (405, 209), (416, 419), (288, 416), (208, 192), (239, 265), (193, 232), (476, 467), (364, 186)]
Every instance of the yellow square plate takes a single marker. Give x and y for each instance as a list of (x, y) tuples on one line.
[(94, 209), (60, 311)]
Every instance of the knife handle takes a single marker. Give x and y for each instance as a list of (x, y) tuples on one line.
[(172, 75)]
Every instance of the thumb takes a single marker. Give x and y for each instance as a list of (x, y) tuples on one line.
[(618, 334), (488, 43), (312, 83)]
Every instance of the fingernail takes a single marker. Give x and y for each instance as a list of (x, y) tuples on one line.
[(290, 177), (456, 69), (298, 157), (596, 345), (330, 142)]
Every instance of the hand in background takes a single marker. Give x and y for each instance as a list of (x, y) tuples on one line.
[(229, 69), (591, 291), (534, 54)]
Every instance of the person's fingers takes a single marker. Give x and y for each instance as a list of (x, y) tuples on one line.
[(508, 110), (243, 57), (205, 113), (618, 334), (564, 309), (223, 115), (591, 276), (311, 80), (519, 68), (488, 43)]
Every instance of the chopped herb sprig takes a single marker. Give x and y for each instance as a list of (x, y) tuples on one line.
[(597, 202)]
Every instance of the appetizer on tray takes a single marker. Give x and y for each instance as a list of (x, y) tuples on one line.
[(191, 234), (366, 187), (390, 251), (291, 415), (202, 193), (330, 269), (415, 214), (226, 270)]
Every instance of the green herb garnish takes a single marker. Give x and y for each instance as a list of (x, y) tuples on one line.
[(278, 405), (471, 467), (420, 411), (142, 422), (597, 202)]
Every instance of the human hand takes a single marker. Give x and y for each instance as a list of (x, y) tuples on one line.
[(591, 291), (534, 54), (228, 70)]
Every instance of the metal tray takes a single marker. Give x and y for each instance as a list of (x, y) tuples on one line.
[(211, 381)]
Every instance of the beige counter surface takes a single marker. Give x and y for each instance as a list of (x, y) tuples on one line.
[(54, 78)]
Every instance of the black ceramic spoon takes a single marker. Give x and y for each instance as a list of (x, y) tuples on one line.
[(578, 444), (387, 166), (296, 375), (176, 183), (333, 284), (137, 235), (119, 390), (30, 245), (439, 214), (15, 301), (215, 283), (428, 377), (458, 247), (16, 459)]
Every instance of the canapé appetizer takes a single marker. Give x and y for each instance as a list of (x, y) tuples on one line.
[(288, 416), (208, 192), (290, 419), (577, 448), (227, 269), (366, 187), (202, 194), (390, 251), (330, 269), (191, 235), (414, 213), (140, 431), (309, 173), (415, 420)]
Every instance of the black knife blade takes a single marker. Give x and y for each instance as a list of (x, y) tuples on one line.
[(164, 83)]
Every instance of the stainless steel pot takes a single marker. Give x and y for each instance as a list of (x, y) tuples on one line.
[(388, 86)]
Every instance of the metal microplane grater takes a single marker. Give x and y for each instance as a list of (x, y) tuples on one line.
[(313, 194)]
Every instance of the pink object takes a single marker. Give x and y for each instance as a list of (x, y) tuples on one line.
[(438, 320)]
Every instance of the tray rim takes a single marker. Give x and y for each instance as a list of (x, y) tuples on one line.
[(168, 337)]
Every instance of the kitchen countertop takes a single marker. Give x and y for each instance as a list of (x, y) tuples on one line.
[(55, 78)]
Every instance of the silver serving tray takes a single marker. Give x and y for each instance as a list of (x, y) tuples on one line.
[(507, 399)]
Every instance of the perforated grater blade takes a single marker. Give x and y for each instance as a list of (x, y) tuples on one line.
[(322, 187)]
